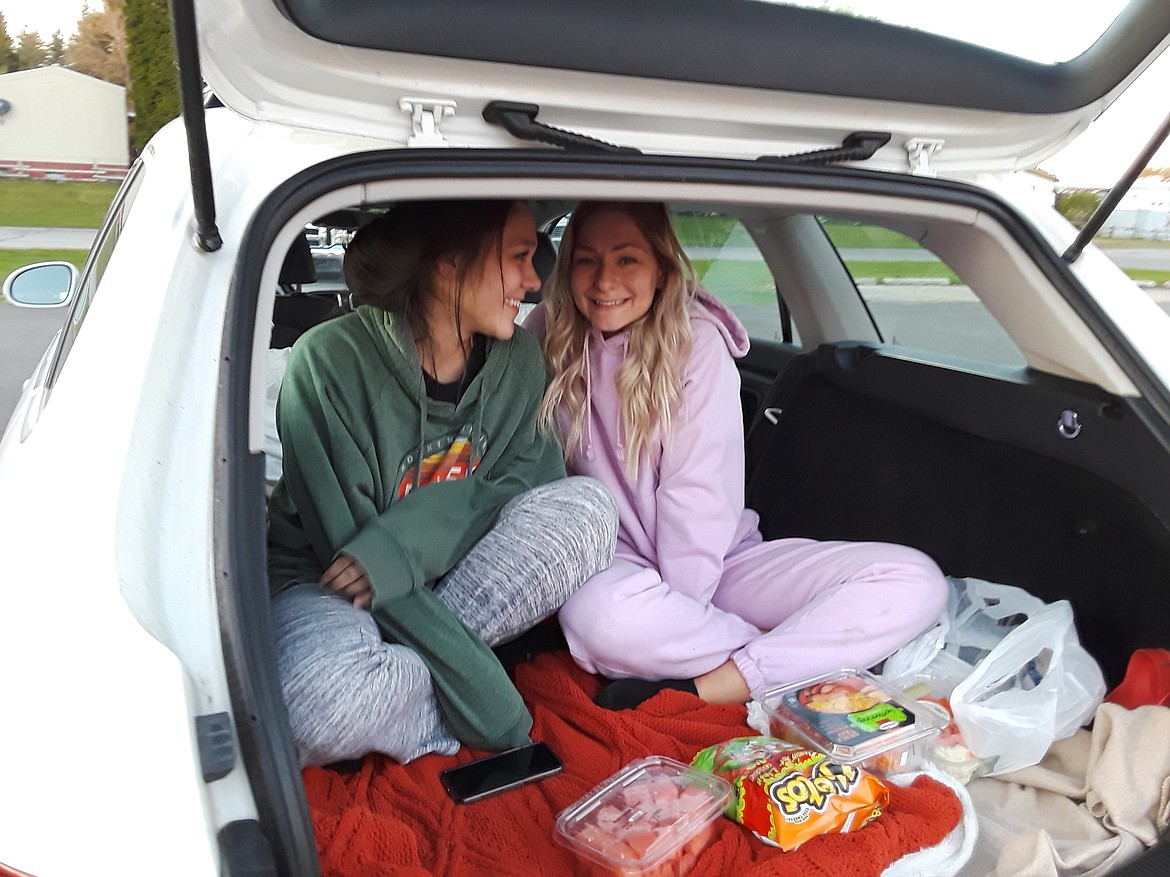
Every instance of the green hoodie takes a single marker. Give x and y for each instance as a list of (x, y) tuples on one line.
[(358, 433)]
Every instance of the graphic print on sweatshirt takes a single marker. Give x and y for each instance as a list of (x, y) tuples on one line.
[(446, 458)]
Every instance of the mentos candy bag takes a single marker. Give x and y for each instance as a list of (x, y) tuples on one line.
[(786, 795)]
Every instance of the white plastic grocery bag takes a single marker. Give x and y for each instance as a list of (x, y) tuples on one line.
[(1038, 685), (1017, 677)]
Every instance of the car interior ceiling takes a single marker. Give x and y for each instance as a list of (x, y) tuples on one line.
[(872, 442)]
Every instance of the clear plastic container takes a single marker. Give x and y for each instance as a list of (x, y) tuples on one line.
[(651, 819), (949, 752), (855, 719)]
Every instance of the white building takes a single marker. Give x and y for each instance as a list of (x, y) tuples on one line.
[(57, 123), (1144, 212)]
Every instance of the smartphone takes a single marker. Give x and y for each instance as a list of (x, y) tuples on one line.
[(479, 779)]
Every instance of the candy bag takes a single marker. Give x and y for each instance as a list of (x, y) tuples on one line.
[(785, 795)]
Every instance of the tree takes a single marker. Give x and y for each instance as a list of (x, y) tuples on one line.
[(30, 52), (99, 47), (151, 54), (56, 49), (1077, 205), (6, 47)]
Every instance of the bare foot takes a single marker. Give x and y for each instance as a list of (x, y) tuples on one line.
[(724, 684)]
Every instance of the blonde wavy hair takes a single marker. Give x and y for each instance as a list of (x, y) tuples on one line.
[(649, 381)]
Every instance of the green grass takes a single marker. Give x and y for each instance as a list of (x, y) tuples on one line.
[(1157, 276), (853, 235), (701, 228), (10, 260), (737, 283), (713, 230), (751, 282), (50, 204), (706, 230), (1131, 243), (901, 269)]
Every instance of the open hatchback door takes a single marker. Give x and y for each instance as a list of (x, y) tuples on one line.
[(739, 79), (925, 368)]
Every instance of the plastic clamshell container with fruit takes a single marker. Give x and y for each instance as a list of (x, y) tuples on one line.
[(650, 819), (855, 719)]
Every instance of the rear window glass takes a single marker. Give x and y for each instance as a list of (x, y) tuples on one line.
[(728, 264), (915, 299), (1040, 30)]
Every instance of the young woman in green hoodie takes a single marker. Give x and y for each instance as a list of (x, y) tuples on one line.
[(421, 516)]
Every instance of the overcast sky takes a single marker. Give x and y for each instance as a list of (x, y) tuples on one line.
[(1042, 29), (44, 16)]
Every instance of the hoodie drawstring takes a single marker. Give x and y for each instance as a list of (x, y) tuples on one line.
[(621, 427), (477, 424), (422, 429), (588, 402), (621, 432)]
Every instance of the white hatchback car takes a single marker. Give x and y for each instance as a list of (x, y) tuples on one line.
[(936, 360)]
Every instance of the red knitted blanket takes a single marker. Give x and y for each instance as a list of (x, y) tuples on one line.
[(386, 819)]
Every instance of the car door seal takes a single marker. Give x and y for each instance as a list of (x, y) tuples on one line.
[(519, 120)]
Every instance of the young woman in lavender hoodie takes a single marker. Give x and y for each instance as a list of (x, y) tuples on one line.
[(644, 393)]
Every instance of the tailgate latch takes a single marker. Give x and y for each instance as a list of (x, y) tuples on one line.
[(919, 152), (425, 115)]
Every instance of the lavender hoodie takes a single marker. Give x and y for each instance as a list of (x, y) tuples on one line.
[(685, 510)]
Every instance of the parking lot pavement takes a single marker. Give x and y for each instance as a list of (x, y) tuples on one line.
[(1150, 258), (24, 335), (17, 238)]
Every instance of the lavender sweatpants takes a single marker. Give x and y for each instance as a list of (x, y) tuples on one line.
[(349, 693), (784, 610)]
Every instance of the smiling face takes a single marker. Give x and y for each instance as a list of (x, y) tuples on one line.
[(614, 272), (492, 299)]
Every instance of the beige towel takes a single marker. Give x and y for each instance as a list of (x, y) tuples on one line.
[(1098, 799)]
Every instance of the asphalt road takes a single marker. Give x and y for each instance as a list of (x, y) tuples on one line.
[(24, 335), (26, 332), (15, 238), (1155, 258)]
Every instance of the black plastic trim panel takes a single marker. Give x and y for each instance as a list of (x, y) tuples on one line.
[(740, 43), (217, 745), (244, 851), (967, 401)]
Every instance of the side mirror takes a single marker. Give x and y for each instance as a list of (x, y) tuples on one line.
[(43, 285)]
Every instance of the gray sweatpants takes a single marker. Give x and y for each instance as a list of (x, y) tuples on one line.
[(348, 692)]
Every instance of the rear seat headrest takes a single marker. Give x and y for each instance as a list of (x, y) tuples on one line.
[(298, 264), (544, 259)]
